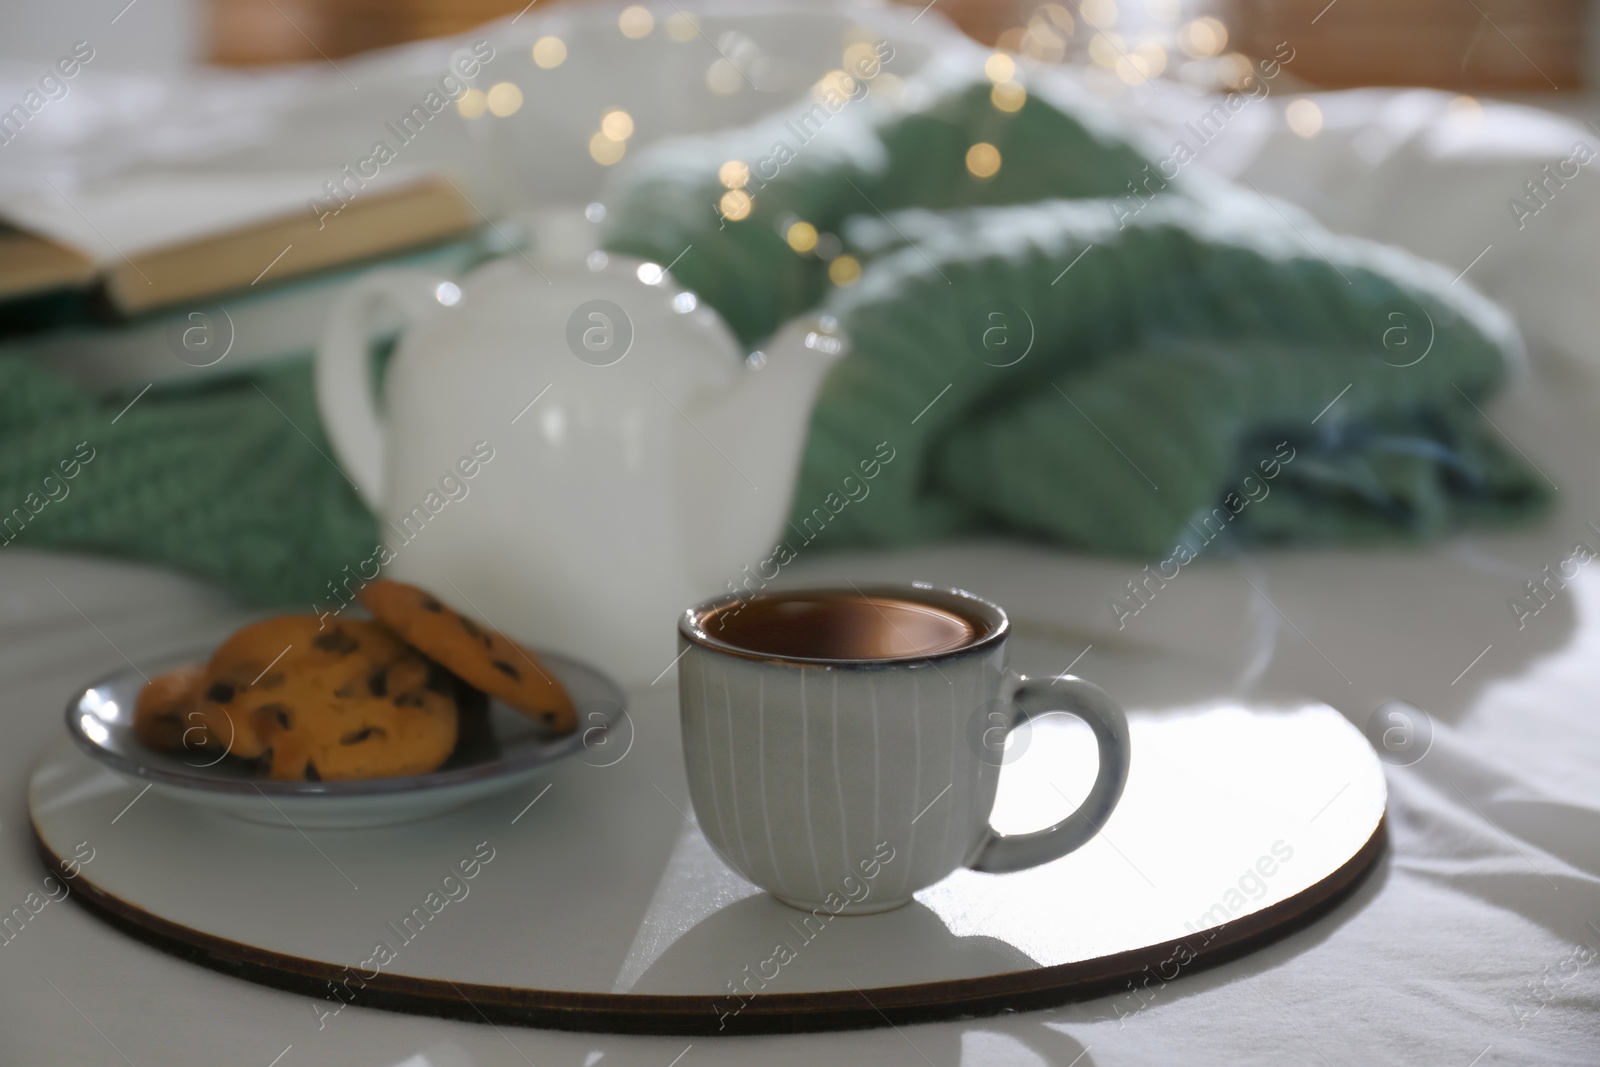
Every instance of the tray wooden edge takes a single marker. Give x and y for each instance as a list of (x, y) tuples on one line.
[(771, 1013)]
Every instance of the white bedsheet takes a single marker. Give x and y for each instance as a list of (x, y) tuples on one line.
[(1477, 940)]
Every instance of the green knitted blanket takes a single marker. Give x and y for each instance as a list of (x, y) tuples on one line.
[(1073, 349), (1079, 349), (232, 482)]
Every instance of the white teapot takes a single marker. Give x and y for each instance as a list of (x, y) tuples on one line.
[(569, 448)]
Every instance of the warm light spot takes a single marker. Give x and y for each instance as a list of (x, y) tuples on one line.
[(617, 124), (1008, 96), (888, 87), (983, 160), (735, 174), (1000, 67), (1106, 49), (1043, 42), (736, 204), (604, 150), (836, 82), (861, 57), (1203, 37), (472, 103), (503, 99), (549, 52), (1132, 70), (1154, 57), (1466, 109), (682, 26), (636, 21), (723, 78), (1234, 71), (802, 237), (1304, 117), (1056, 16), (1101, 14), (844, 270), (1010, 40)]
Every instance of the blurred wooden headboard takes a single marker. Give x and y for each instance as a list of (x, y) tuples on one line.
[(1468, 45), (1477, 45), (254, 32)]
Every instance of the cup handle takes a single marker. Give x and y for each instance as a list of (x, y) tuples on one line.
[(1032, 698), (343, 370)]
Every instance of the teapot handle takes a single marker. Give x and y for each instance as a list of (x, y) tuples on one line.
[(343, 368)]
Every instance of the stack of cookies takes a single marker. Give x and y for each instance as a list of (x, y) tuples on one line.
[(309, 698)]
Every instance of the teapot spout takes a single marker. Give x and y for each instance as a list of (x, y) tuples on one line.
[(737, 504)]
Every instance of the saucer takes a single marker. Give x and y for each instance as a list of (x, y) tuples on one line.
[(506, 749)]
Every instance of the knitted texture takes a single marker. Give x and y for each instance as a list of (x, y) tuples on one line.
[(864, 159), (1170, 367), (232, 482), (1101, 358)]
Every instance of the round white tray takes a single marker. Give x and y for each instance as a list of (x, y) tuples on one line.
[(593, 902)]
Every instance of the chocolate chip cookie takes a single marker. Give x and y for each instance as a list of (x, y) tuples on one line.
[(165, 710), (482, 657), (346, 699)]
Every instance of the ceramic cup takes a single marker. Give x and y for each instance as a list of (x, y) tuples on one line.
[(852, 782)]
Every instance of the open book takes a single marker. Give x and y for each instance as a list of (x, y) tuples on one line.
[(151, 240)]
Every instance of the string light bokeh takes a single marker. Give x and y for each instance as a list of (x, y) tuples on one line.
[(1113, 47)]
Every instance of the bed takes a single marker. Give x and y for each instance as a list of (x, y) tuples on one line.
[(1475, 940)]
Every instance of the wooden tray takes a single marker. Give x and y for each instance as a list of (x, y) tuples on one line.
[(595, 904)]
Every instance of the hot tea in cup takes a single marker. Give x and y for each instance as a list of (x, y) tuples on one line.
[(829, 743)]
